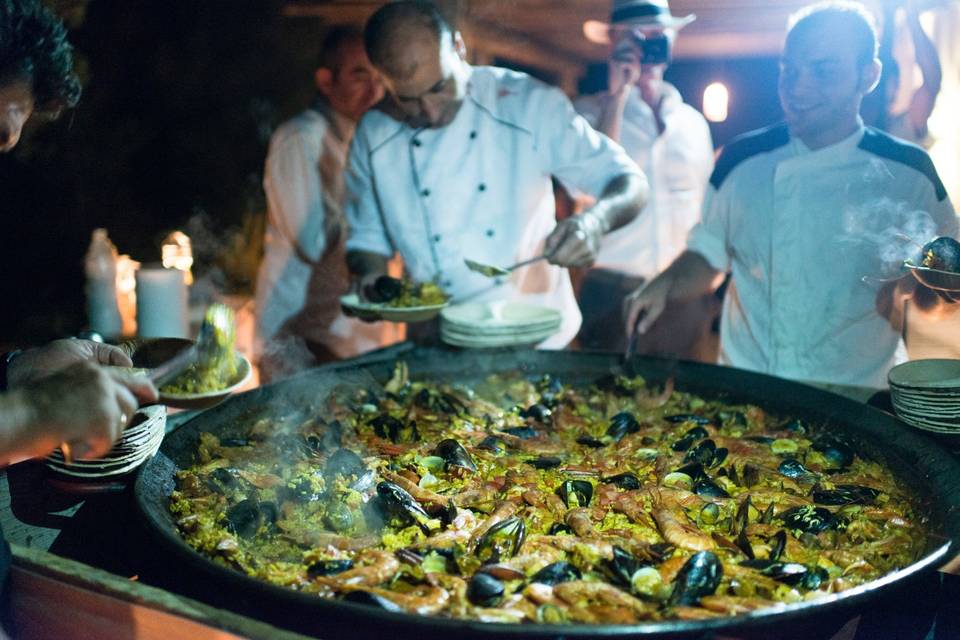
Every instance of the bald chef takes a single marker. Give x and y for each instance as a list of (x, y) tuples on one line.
[(458, 164)]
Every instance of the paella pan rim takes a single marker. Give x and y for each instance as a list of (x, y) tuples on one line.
[(151, 500)]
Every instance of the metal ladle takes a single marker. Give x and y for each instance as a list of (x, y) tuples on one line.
[(492, 271)]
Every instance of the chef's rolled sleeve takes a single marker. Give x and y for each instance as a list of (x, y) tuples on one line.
[(367, 232), (709, 237), (582, 159)]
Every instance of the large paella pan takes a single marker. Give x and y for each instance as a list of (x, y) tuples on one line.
[(662, 513)]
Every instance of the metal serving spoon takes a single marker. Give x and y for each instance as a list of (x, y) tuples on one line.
[(492, 271)]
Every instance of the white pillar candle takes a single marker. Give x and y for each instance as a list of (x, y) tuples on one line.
[(161, 303)]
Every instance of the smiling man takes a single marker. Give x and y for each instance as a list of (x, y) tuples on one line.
[(794, 212), (457, 163)]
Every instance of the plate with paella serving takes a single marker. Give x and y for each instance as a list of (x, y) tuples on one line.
[(396, 300), (585, 500)]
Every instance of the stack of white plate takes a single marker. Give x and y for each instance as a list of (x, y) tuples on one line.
[(138, 443), (497, 324), (926, 394)]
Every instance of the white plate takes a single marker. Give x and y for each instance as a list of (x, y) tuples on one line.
[(209, 398), (378, 311), (933, 373), (499, 315), (512, 341)]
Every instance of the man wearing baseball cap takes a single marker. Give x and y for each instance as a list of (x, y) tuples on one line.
[(671, 142)]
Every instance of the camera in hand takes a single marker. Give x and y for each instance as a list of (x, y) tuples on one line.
[(655, 50)]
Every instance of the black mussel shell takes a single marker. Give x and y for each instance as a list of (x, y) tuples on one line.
[(338, 517), (344, 462), (790, 573), (809, 519), (760, 439), (626, 481), (537, 412), (690, 438), (484, 590), (433, 400), (224, 480), (688, 417), (700, 576), (493, 443), (587, 441), (400, 504), (779, 544), (796, 426), (845, 494), (694, 470), (559, 527), (837, 452), (556, 573), (703, 453), (244, 518), (732, 418), (575, 493), (622, 424), (719, 457), (454, 455), (524, 433), (550, 388), (329, 567), (614, 384), (621, 567), (767, 516), (545, 462), (384, 289), (793, 468), (941, 253), (373, 600), (387, 427), (707, 488), (502, 540)]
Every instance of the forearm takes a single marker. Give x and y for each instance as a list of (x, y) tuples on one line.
[(611, 119), (365, 263), (925, 54), (690, 276), (621, 201)]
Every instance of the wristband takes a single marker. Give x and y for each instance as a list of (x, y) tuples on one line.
[(5, 361)]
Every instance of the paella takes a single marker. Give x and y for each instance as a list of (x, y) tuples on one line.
[(527, 500)]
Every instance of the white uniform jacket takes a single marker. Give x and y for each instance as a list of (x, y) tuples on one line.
[(479, 188), (677, 162), (295, 198), (800, 230)]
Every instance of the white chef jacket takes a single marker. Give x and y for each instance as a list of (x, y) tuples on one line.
[(296, 210), (479, 188), (799, 229), (677, 163)]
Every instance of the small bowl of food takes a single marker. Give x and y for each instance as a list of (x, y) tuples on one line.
[(939, 266), (195, 388), (397, 301)]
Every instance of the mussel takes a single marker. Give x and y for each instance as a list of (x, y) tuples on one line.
[(689, 438), (545, 462), (402, 506), (844, 494), (556, 573), (329, 567), (338, 517), (502, 540), (591, 442), (779, 544), (695, 470), (810, 519), (575, 493), (244, 518), (492, 444), (484, 590), (793, 468), (700, 576), (627, 481), (537, 413), (837, 452), (454, 456), (622, 424), (524, 433), (344, 463), (389, 427), (550, 389), (224, 480), (383, 289), (441, 401), (558, 528), (617, 385), (790, 573), (941, 253), (622, 566), (688, 417), (709, 489), (703, 453)]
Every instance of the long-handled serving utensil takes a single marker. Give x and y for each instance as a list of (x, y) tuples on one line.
[(492, 271)]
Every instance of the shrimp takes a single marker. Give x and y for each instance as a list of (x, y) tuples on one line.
[(734, 605), (579, 520), (424, 496), (503, 511), (379, 567), (576, 592), (675, 530)]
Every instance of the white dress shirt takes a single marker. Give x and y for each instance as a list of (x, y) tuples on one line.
[(677, 162), (479, 188), (800, 230), (295, 199)]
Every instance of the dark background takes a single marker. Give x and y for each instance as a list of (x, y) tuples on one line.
[(179, 101)]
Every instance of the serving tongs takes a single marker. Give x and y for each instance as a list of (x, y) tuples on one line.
[(492, 271)]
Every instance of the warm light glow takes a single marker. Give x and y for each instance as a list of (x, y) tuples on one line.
[(177, 254), (716, 99), (127, 293)]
